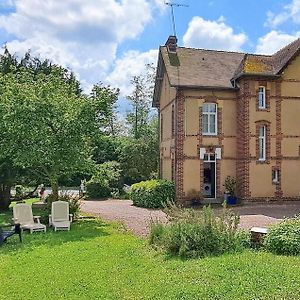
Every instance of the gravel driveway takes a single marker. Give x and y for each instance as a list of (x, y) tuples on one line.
[(135, 218), (138, 219)]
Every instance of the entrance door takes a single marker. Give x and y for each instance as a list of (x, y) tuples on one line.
[(209, 176)]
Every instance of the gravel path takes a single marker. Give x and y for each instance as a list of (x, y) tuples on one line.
[(138, 219), (135, 218)]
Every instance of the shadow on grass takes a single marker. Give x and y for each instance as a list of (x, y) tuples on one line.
[(81, 230)]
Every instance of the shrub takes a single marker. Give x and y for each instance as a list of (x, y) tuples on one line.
[(152, 193), (19, 191), (97, 189), (105, 181), (199, 234), (284, 237)]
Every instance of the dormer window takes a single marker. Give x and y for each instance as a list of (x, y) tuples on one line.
[(262, 97)]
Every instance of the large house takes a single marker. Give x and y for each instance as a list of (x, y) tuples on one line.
[(229, 114)]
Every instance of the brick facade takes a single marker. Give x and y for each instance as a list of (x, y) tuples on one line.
[(237, 100), (179, 140)]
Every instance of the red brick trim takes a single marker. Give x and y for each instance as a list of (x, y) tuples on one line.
[(179, 141), (243, 137), (218, 98), (210, 99)]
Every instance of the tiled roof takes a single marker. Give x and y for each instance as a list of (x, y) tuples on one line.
[(284, 55), (199, 67), (210, 68)]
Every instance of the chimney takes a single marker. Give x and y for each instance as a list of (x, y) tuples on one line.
[(171, 44)]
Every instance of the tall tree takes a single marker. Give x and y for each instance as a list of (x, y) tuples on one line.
[(140, 99), (46, 124), (138, 153), (107, 98)]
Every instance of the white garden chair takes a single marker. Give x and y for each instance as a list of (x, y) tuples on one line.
[(22, 214), (60, 217)]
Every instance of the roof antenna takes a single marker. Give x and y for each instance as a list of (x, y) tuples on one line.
[(171, 4)]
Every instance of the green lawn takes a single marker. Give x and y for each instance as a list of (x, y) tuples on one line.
[(96, 260), (29, 201)]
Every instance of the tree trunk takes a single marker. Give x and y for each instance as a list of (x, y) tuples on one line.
[(54, 186), (4, 197)]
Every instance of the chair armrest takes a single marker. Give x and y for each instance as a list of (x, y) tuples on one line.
[(71, 217), (37, 218)]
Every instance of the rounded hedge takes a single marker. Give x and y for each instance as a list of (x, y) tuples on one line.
[(96, 190), (152, 193), (284, 237)]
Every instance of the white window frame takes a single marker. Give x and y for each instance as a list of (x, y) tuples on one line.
[(262, 97), (209, 114), (262, 143), (275, 176)]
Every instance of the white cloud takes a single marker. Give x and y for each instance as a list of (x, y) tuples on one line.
[(290, 12), (7, 3), (273, 41), (131, 64), (81, 35), (213, 35)]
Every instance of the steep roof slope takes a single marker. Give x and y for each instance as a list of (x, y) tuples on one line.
[(201, 68)]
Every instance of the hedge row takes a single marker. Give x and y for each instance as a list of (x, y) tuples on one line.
[(152, 193)]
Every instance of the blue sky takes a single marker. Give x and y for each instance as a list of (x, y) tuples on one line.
[(112, 40)]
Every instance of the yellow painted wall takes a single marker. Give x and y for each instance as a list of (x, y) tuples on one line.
[(229, 117), (166, 114), (292, 71), (191, 176), (194, 100), (191, 116), (291, 107), (290, 124), (228, 168), (260, 181), (168, 93), (290, 174), (167, 169), (229, 149), (190, 146), (290, 147)]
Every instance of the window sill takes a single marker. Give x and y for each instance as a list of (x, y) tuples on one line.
[(262, 161)]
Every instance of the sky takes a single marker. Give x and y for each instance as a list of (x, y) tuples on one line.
[(110, 41)]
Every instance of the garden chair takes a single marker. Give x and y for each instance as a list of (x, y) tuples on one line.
[(60, 217), (23, 215), (4, 234)]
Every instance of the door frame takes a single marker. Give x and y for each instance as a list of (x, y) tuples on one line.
[(211, 158)]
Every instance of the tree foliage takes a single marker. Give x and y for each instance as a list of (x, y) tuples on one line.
[(46, 122)]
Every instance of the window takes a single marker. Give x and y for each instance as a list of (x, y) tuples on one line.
[(262, 143), (262, 97), (209, 119), (209, 157), (173, 121), (275, 176)]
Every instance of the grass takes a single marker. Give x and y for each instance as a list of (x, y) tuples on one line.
[(28, 201), (97, 260)]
